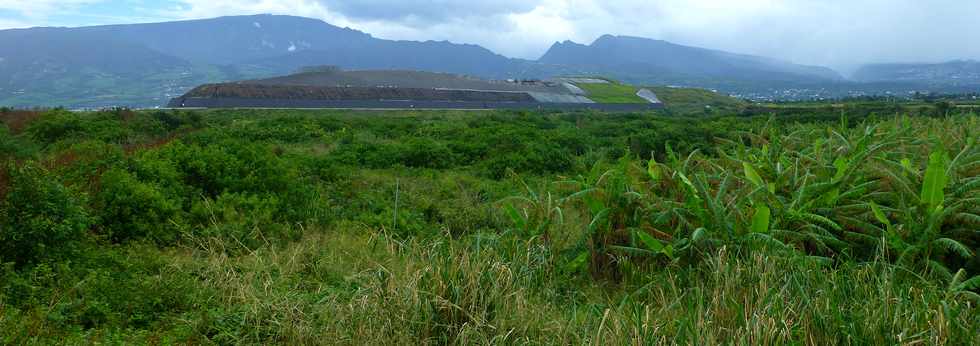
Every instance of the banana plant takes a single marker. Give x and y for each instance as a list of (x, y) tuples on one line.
[(533, 214), (925, 219)]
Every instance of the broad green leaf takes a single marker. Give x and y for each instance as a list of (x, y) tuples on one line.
[(752, 174), (515, 216), (935, 181), (578, 263), (760, 219), (669, 251), (830, 198), (688, 183), (674, 160), (654, 170), (907, 164), (649, 241), (841, 164), (698, 234), (879, 214)]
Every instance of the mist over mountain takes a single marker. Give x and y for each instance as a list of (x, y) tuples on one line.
[(146, 64), (953, 73)]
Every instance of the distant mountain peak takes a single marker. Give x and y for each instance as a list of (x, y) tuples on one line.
[(627, 56)]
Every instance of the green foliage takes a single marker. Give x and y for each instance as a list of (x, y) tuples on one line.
[(55, 125), (537, 158), (935, 181), (292, 227), (422, 152), (41, 218), (249, 220), (131, 209)]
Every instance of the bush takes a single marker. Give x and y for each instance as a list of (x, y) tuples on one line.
[(55, 125), (131, 209), (246, 219), (13, 146), (81, 164), (537, 158), (424, 152), (370, 154), (40, 218), (169, 120), (228, 166), (133, 287)]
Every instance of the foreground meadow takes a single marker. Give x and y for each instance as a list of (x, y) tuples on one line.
[(330, 227)]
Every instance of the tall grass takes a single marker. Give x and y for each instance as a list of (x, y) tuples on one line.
[(349, 287)]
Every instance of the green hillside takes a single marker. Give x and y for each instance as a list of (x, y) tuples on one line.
[(692, 101)]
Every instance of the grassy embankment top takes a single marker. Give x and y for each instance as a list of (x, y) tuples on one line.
[(679, 101), (611, 92)]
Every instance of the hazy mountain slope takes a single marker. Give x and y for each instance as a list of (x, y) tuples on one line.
[(233, 40), (624, 55), (142, 64), (51, 66), (961, 72), (406, 55), (282, 44)]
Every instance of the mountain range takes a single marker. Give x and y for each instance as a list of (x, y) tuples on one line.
[(666, 61), (144, 65)]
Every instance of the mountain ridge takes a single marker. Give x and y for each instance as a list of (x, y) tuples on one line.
[(145, 64), (659, 55)]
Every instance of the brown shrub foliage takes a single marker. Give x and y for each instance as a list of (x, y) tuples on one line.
[(4, 183), (17, 121)]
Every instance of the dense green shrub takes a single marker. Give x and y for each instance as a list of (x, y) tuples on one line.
[(228, 166), (82, 163), (245, 219), (425, 152), (40, 218), (371, 154), (130, 288), (535, 158), (60, 125), (131, 209), (10, 147), (170, 120), (55, 125)]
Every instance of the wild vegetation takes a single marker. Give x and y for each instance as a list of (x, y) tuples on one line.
[(689, 101), (339, 227)]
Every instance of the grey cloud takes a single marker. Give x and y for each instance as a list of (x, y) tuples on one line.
[(421, 12)]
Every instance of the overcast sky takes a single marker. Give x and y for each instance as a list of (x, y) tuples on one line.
[(835, 33)]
